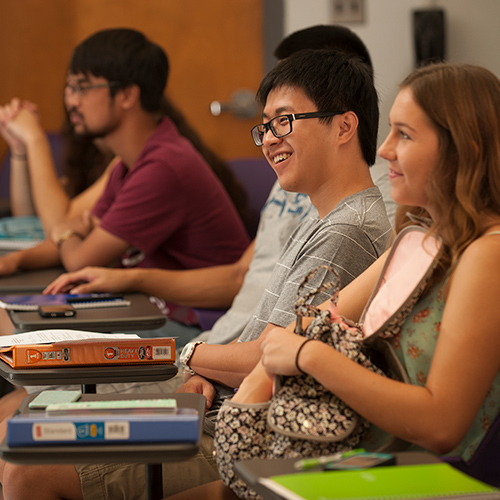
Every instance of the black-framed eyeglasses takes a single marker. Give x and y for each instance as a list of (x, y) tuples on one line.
[(82, 88), (281, 125)]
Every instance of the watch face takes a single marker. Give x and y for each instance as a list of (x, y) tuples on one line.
[(185, 351)]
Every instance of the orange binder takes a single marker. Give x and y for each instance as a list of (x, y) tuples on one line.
[(91, 352)]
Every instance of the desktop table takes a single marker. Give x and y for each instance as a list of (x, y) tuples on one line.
[(87, 376), (142, 314), (252, 470), (151, 454), (29, 281)]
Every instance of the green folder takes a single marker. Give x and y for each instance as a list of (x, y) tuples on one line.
[(434, 481)]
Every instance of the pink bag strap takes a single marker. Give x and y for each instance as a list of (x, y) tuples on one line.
[(409, 265)]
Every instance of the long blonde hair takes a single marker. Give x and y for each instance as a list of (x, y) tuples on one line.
[(463, 102)]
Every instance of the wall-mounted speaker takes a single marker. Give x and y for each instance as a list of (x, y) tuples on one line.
[(429, 35)]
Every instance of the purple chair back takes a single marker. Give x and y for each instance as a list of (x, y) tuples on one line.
[(257, 178), (485, 463)]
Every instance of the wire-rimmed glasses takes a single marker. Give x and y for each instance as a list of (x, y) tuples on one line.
[(82, 88)]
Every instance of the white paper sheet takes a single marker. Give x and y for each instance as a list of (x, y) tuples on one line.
[(51, 336)]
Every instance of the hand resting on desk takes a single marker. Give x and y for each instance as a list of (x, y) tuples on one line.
[(199, 385), (91, 279)]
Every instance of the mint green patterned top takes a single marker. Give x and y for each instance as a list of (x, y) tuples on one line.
[(415, 347)]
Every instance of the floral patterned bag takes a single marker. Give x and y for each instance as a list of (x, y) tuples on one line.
[(304, 419)]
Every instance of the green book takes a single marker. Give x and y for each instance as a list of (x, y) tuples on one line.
[(434, 481)]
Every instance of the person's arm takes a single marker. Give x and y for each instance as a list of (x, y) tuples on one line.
[(465, 362), (26, 126), (41, 256), (35, 185), (257, 387), (228, 364), (21, 202), (211, 287), (87, 198), (87, 244)]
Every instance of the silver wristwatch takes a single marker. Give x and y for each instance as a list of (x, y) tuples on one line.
[(186, 354)]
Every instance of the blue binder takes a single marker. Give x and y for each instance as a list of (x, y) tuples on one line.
[(181, 426)]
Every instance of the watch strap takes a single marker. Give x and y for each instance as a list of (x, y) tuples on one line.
[(68, 234), (185, 358)]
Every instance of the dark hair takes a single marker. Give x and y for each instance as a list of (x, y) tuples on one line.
[(125, 56), (333, 82), (83, 161), (325, 37)]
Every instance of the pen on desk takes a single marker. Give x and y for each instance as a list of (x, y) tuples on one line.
[(309, 463)]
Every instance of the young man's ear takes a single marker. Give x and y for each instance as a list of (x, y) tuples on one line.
[(348, 126), (129, 96)]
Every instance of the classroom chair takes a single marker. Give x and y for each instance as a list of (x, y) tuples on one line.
[(257, 177), (485, 464)]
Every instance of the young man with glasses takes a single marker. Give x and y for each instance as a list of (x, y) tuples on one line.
[(326, 158), (163, 206)]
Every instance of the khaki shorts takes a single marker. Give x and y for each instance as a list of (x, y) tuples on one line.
[(128, 481)]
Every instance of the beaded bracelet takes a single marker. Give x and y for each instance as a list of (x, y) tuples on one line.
[(297, 356)]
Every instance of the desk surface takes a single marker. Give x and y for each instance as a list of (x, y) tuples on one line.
[(29, 281), (140, 315), (252, 470), (144, 453), (87, 374)]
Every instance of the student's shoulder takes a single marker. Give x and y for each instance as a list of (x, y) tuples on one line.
[(482, 253), (478, 267), (365, 198), (358, 208), (165, 148)]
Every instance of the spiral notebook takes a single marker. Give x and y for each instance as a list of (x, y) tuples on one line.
[(77, 301), (17, 233), (410, 482)]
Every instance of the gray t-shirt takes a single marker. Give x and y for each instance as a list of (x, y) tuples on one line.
[(280, 216), (350, 238)]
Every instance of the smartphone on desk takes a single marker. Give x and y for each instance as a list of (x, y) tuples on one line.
[(361, 461), (61, 311)]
